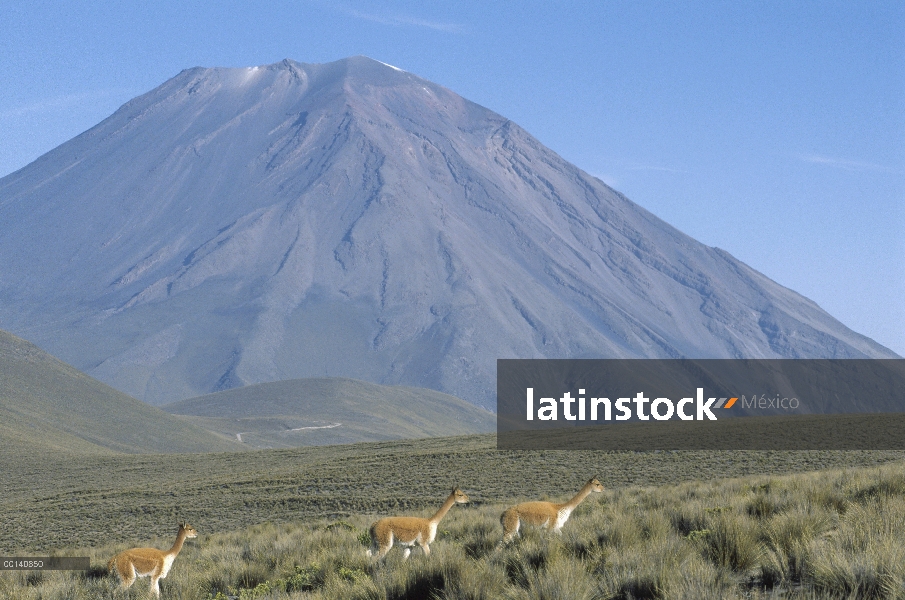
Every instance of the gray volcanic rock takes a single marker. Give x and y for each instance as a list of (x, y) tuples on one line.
[(236, 226)]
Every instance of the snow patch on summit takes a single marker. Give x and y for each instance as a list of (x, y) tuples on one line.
[(391, 66)]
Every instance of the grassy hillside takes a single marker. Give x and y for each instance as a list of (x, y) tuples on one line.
[(47, 406), (293, 524), (321, 411)]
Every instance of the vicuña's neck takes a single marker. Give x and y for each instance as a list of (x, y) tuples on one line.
[(444, 509), (584, 493), (177, 545)]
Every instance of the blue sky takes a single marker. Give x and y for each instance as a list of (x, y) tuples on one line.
[(774, 130)]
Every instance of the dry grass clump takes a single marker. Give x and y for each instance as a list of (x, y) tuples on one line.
[(828, 534)]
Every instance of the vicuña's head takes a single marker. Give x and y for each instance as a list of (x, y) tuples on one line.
[(188, 530), (595, 484), (460, 496)]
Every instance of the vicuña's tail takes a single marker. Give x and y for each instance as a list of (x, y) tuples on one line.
[(111, 565), (510, 519), (507, 515)]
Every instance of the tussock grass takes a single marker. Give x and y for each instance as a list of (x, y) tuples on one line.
[(824, 534), (88, 500)]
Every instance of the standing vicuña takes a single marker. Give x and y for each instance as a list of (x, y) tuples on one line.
[(145, 562), (544, 514), (409, 531)]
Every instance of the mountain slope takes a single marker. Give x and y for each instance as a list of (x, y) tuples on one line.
[(320, 411), (46, 405), (236, 226)]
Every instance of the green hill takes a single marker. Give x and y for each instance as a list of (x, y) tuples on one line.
[(320, 411), (49, 406)]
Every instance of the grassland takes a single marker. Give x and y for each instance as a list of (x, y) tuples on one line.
[(856, 431), (290, 523)]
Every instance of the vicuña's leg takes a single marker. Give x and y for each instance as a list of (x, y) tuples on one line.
[(511, 522), (126, 573), (155, 580)]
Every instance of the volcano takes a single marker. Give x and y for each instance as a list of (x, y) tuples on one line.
[(244, 225)]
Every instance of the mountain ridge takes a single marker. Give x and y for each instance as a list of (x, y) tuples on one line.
[(236, 226), (48, 406), (320, 411)]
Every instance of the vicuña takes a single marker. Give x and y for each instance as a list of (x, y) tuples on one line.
[(408, 531), (544, 514), (149, 562)]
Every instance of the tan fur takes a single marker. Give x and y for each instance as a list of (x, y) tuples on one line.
[(149, 562), (549, 515), (408, 531)]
